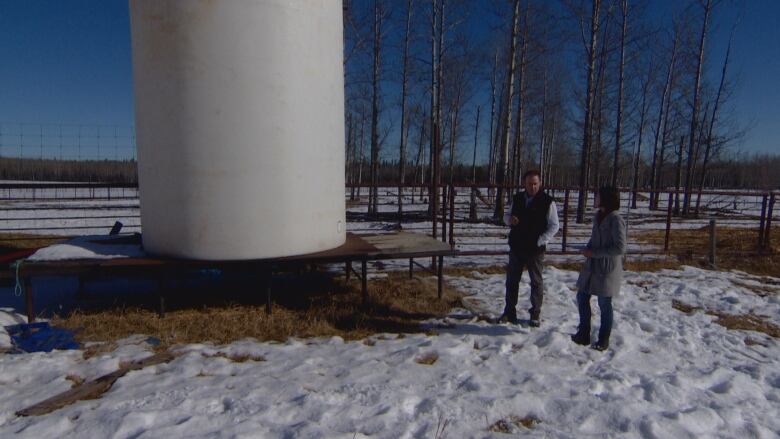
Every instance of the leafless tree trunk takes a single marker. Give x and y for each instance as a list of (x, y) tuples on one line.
[(600, 95), (678, 175), (517, 163), (362, 157), (404, 81), (350, 156), (695, 113), (591, 57), (420, 154), (433, 206), (619, 123), (708, 149), (474, 156), (665, 97), (642, 117), (491, 161), (374, 190), (542, 132), (498, 214)]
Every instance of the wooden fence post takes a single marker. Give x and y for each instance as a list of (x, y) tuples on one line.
[(668, 221), (768, 227), (565, 220), (712, 243), (452, 215), (762, 223)]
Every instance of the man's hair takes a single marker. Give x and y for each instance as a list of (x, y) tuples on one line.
[(532, 173), (609, 198)]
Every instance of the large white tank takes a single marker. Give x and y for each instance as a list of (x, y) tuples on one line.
[(240, 126)]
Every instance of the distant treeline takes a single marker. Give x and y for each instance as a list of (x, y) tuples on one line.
[(751, 172), (104, 171), (740, 171)]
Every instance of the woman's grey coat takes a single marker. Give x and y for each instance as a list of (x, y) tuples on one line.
[(602, 273)]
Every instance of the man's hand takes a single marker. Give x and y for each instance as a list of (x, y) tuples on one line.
[(588, 253), (514, 221)]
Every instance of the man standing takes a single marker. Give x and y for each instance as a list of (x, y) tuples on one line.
[(533, 221)]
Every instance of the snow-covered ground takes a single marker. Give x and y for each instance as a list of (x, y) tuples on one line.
[(668, 374)]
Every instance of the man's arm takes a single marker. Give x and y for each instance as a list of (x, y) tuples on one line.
[(552, 225)]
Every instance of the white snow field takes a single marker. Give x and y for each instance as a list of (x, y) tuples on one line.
[(667, 375)]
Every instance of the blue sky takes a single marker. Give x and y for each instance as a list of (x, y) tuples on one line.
[(68, 62)]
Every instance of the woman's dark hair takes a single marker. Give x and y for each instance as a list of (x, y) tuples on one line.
[(609, 199)]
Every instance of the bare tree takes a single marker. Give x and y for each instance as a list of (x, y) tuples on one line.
[(643, 109), (708, 149), (696, 98), (377, 48), (660, 125), (404, 82), (498, 214), (517, 152), (590, 52), (621, 69)]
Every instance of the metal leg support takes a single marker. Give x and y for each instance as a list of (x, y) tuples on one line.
[(364, 281), (28, 296)]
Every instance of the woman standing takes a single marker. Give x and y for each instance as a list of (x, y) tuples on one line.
[(602, 272)]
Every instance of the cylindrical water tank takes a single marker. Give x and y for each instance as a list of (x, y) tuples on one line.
[(240, 126)]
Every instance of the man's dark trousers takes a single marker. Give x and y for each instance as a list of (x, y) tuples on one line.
[(534, 263)]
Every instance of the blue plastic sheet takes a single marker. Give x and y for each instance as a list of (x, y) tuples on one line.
[(40, 337)]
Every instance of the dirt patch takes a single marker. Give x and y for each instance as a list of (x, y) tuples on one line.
[(312, 305)]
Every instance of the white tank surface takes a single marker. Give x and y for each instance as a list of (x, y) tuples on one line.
[(240, 126)]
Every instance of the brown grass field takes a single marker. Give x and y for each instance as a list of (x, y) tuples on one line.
[(317, 306)]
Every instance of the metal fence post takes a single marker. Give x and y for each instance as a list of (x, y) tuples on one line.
[(712, 243), (762, 223), (565, 220), (452, 215), (768, 227), (668, 221)]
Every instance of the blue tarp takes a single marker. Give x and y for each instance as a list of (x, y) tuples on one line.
[(40, 337)]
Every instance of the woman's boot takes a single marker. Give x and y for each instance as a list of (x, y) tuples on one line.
[(582, 337)]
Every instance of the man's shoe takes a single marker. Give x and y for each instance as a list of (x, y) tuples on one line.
[(534, 323), (507, 318), (601, 345)]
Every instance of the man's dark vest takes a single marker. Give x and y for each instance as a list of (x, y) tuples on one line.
[(533, 222)]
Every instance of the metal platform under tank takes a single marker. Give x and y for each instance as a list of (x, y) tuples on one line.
[(357, 248)]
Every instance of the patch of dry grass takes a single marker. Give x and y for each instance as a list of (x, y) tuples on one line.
[(75, 380), (505, 425), (736, 248), (316, 307), (236, 358), (760, 290), (428, 358), (747, 322)]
